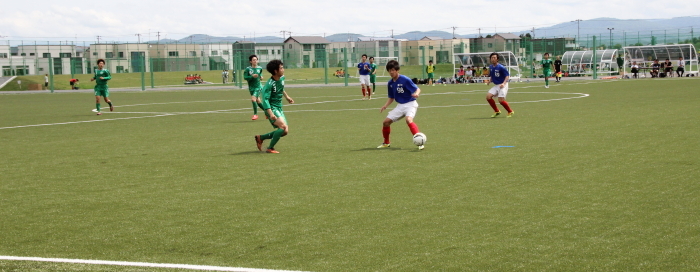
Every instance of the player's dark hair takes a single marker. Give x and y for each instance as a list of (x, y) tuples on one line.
[(494, 53), (273, 66), (371, 57), (250, 58), (392, 64), (100, 60), (430, 61), (546, 53), (364, 55)]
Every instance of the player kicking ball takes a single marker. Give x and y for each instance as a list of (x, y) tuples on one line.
[(272, 94), (499, 76), (403, 91), (102, 75)]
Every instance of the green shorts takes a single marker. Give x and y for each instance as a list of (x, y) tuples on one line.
[(431, 75), (372, 78), (279, 114), (547, 73), (255, 91), (101, 90)]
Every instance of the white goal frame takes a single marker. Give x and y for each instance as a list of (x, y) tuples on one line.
[(481, 59)]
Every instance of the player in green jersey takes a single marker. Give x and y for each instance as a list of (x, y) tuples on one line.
[(547, 69), (272, 95), (373, 74), (102, 75), (253, 74)]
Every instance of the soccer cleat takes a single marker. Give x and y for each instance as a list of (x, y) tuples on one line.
[(496, 114), (111, 107), (94, 110), (255, 117), (384, 146), (546, 86), (272, 150), (510, 114), (369, 98), (258, 142), (420, 147), (99, 113)]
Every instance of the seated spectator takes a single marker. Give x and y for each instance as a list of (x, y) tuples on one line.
[(635, 70), (460, 74), (681, 67), (655, 68), (668, 68)]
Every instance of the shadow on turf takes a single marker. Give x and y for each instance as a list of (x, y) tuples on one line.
[(247, 153), (378, 149)]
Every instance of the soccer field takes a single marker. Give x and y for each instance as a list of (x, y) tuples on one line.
[(587, 176)]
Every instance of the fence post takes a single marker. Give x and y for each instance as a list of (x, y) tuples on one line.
[(345, 64), (150, 69), (423, 63), (595, 60), (325, 65), (51, 74), (143, 73)]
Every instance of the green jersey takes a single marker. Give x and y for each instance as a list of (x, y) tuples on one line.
[(372, 69), (253, 82), (547, 64), (272, 93), (104, 73)]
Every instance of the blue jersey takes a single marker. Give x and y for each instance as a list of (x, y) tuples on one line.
[(498, 73), (402, 89), (365, 68)]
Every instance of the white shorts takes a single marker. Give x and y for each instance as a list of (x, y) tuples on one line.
[(364, 79), (408, 109), (498, 91)]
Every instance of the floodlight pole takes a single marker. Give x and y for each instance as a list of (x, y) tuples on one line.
[(610, 29), (578, 24)]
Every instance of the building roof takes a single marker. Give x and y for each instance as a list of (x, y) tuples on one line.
[(508, 36), (432, 38), (371, 39), (307, 40)]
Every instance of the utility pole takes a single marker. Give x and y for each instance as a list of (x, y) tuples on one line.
[(285, 32), (453, 32), (98, 39), (533, 32), (138, 35), (610, 29), (479, 33), (578, 26), (392, 33), (158, 34)]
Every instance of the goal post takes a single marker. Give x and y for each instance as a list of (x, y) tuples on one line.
[(481, 59)]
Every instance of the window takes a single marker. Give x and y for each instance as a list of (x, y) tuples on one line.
[(31, 54), (490, 45), (405, 59), (396, 43), (319, 46), (193, 53), (77, 54), (225, 52), (120, 69), (384, 43), (3, 55), (173, 54), (41, 69), (335, 50), (307, 47), (214, 52), (64, 55), (421, 47), (109, 55), (13, 54), (279, 52), (262, 52), (290, 46), (46, 55), (385, 48), (94, 53), (396, 53), (23, 54), (430, 47), (121, 55)]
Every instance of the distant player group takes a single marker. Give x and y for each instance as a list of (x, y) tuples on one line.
[(269, 97)]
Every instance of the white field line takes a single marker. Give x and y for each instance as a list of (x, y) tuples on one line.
[(140, 264), (162, 114)]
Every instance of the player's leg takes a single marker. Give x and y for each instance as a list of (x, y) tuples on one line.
[(282, 130), (411, 109), (386, 130), (502, 100), (97, 103), (254, 101), (489, 98), (109, 102)]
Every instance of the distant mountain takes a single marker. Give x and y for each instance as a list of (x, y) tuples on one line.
[(203, 38), (343, 37)]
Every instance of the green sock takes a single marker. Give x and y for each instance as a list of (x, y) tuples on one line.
[(260, 105), (97, 106), (546, 81), (255, 108), (266, 136), (276, 135), (374, 87)]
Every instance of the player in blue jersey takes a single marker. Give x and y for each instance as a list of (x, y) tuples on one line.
[(499, 76), (363, 68), (403, 91)]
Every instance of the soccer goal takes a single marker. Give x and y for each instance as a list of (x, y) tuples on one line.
[(482, 59)]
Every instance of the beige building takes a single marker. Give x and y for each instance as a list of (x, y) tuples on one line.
[(305, 51), (432, 48)]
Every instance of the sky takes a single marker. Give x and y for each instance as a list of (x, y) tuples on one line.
[(123, 20)]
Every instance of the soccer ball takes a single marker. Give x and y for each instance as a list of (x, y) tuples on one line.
[(419, 139)]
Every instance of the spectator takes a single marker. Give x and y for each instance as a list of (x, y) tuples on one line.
[(655, 68), (73, 83), (635, 70), (46, 81), (681, 67), (460, 75), (668, 68)]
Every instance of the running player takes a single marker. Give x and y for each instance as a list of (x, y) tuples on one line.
[(546, 69), (253, 74), (272, 95), (499, 76), (404, 91), (430, 69), (557, 69), (364, 71), (373, 74), (102, 75)]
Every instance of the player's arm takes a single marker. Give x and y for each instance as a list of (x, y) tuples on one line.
[(504, 82), (289, 99), (266, 93), (246, 75), (413, 88), (108, 77), (388, 102)]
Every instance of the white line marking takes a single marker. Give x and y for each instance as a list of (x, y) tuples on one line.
[(164, 265), (161, 114)]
